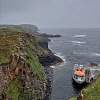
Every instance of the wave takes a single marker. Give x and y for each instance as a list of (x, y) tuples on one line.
[(62, 64), (79, 36), (78, 42), (53, 67), (94, 54), (80, 53), (61, 56)]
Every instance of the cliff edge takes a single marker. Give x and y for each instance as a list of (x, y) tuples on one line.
[(24, 63)]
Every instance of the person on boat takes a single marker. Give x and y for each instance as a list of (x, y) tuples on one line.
[(79, 72)]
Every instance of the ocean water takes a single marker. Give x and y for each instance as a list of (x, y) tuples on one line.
[(76, 46)]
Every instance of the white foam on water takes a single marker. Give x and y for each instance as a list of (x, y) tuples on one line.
[(79, 36), (61, 64), (60, 56), (53, 67), (80, 53), (78, 42), (95, 54)]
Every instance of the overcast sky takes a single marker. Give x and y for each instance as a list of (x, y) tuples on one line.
[(51, 13)]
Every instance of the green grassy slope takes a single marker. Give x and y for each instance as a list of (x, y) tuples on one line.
[(27, 47), (92, 92)]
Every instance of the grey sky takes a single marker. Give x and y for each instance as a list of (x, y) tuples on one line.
[(51, 13)]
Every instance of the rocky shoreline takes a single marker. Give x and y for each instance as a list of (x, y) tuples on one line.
[(47, 61)]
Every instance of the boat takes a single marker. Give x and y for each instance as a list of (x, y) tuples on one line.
[(79, 74), (85, 74)]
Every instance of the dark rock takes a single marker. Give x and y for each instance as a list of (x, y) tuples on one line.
[(50, 35), (50, 60)]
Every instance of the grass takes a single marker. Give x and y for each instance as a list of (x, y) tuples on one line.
[(92, 92), (10, 43), (3, 58), (33, 50), (13, 89), (73, 98), (37, 68)]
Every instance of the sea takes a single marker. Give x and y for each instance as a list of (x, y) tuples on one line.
[(75, 46)]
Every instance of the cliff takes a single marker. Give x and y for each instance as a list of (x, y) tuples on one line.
[(24, 65)]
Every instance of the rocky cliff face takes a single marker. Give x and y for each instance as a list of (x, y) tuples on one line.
[(22, 76), (18, 81), (24, 66)]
